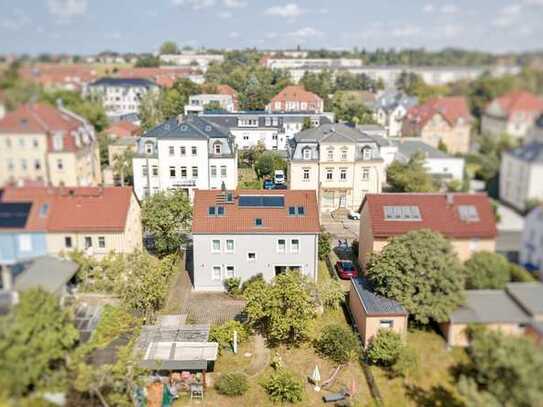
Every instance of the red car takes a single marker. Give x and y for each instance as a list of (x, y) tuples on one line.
[(346, 269)]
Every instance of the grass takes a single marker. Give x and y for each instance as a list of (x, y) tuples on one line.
[(248, 179)]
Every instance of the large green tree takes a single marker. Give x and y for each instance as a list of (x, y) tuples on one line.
[(35, 339), (168, 47), (268, 162), (348, 107), (167, 216), (487, 270), (281, 310), (411, 176), (421, 271)]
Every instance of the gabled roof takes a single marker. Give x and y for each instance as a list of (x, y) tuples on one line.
[(374, 304), (529, 296), (190, 128), (391, 99), (520, 101), (297, 93), (242, 219), (438, 211), (124, 82), (409, 148), (124, 127), (77, 209), (532, 152), (226, 90), (332, 133), (451, 108), (47, 272), (38, 118)]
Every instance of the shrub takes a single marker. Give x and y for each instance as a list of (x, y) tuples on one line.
[(324, 244), (283, 386), (224, 334), (520, 274), (337, 343), (331, 293), (486, 270), (248, 282), (232, 285), (384, 348), (232, 384), (406, 364)]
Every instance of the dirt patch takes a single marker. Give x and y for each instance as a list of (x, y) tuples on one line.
[(212, 308), (261, 356)]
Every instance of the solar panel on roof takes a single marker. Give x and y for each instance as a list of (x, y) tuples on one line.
[(14, 215), (274, 201)]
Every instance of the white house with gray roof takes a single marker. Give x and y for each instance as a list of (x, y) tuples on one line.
[(521, 175), (339, 162), (185, 153), (390, 109), (531, 246)]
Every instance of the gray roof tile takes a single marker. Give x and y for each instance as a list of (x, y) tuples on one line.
[(528, 295), (374, 303)]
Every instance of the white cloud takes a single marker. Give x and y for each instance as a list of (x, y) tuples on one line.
[(290, 10), (224, 14), (428, 8), (449, 9), (508, 16), (233, 34), (405, 31), (66, 9), (305, 32), (235, 3), (17, 21), (194, 4)]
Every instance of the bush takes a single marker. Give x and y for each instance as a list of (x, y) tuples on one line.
[(232, 384), (486, 270), (337, 343), (324, 244), (520, 274), (224, 334), (385, 347), (248, 282), (283, 386), (331, 293), (232, 285), (406, 364)]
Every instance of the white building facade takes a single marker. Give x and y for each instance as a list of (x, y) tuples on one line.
[(531, 248), (390, 109)]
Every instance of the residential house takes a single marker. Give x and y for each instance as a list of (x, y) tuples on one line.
[(71, 77), (295, 99), (535, 133), (442, 166), (272, 130), (199, 103), (185, 153), (521, 172), (531, 247), (513, 113), (96, 220), (192, 59), (516, 310), (123, 129), (338, 162), (444, 119), (49, 145), (372, 312), (121, 96), (164, 76), (467, 220), (390, 109), (244, 233)]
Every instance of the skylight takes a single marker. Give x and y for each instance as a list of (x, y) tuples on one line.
[(262, 201), (468, 213), (402, 213)]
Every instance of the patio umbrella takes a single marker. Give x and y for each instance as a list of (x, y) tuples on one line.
[(316, 377), (353, 387)]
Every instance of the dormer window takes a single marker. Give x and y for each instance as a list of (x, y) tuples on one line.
[(366, 153), (344, 151), (306, 152), (149, 148), (217, 148)]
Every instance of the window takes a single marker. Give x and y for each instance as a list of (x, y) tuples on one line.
[(211, 211), (155, 170), (329, 174), (251, 256), (101, 242), (148, 148), (217, 147), (57, 142), (194, 172), (281, 245), (183, 150), (343, 174), (306, 152), (402, 213), (223, 171), (60, 165), (229, 272), (386, 324), (229, 246), (330, 152), (25, 243), (220, 210), (306, 174), (366, 153), (11, 165), (194, 150), (215, 245), (145, 170), (23, 164), (8, 142), (183, 172), (291, 210), (365, 173), (172, 172), (301, 210), (216, 273), (37, 165), (344, 154), (468, 213), (88, 242), (295, 245), (258, 222), (171, 150), (68, 242), (213, 171), (35, 143)]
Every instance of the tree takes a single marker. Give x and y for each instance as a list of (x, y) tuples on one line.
[(122, 166), (268, 163), (504, 368), (338, 343), (486, 270), (411, 176), (168, 47), (232, 384), (147, 61), (173, 100), (35, 339), (150, 112), (324, 244), (384, 348), (348, 107), (104, 141), (224, 334), (280, 310), (421, 271), (284, 386), (167, 216)]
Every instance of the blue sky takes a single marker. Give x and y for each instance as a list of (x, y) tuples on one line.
[(89, 26)]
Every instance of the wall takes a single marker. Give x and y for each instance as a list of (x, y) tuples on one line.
[(250, 137), (12, 152), (456, 138), (265, 247), (446, 167), (531, 249), (11, 250), (466, 247), (455, 334)]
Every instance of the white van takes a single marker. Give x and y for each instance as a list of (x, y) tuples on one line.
[(279, 177)]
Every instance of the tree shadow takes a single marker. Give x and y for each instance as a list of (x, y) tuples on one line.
[(435, 396)]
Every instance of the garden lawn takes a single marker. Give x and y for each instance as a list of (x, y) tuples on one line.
[(248, 179)]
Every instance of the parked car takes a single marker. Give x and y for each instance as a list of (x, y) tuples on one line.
[(280, 186), (354, 215), (346, 269), (279, 177), (268, 184)]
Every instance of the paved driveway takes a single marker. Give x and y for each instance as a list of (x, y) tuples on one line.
[(340, 229)]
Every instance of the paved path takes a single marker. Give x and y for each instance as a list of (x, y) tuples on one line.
[(261, 357)]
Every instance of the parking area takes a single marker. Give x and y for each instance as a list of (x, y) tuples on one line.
[(345, 229)]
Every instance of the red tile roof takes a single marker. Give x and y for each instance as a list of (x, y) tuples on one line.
[(520, 101), (451, 108), (296, 93), (164, 77), (238, 219), (123, 129), (439, 212), (91, 209), (58, 74)]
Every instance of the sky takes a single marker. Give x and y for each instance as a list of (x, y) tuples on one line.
[(90, 26)]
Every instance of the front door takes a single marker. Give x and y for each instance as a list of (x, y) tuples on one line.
[(342, 199)]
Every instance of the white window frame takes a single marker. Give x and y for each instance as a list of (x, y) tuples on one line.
[(213, 171), (329, 171), (226, 249), (343, 174), (213, 250), (292, 246), (249, 259), (284, 250), (365, 173), (25, 243), (386, 324), (306, 152), (226, 266), (306, 174), (101, 239), (214, 275)]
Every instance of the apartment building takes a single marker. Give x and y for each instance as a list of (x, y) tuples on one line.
[(186, 153), (121, 96), (192, 59), (390, 109), (531, 247), (244, 233), (338, 162), (41, 143), (199, 103), (443, 119), (295, 99), (272, 130), (521, 175), (95, 220), (514, 113)]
